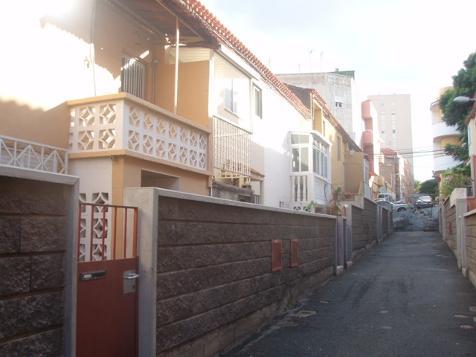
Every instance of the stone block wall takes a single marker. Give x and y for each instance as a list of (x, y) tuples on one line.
[(470, 240), (450, 225), (32, 267), (215, 285), (364, 227)]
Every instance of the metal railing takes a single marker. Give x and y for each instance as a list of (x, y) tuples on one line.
[(232, 150), (32, 155)]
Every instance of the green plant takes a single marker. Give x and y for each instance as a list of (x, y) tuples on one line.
[(464, 84), (458, 176)]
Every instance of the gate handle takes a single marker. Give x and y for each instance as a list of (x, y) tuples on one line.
[(131, 276)]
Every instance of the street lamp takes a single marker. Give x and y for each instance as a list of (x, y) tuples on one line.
[(462, 99)]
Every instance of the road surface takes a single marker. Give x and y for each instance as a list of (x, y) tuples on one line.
[(404, 298)]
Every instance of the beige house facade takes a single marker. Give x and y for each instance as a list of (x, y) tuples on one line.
[(111, 93)]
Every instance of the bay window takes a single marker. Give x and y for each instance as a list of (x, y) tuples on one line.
[(302, 145)]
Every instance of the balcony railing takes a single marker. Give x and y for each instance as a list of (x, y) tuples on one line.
[(232, 150), (307, 188), (441, 129), (442, 163), (124, 122), (31, 155)]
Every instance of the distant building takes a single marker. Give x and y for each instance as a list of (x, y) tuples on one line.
[(338, 91), (396, 172), (395, 123), (442, 135), (370, 144)]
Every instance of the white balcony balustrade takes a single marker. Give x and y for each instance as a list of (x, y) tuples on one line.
[(31, 155), (441, 130), (307, 188), (442, 163), (124, 122)]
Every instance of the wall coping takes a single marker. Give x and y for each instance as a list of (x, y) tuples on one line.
[(470, 213), (37, 175), (162, 192)]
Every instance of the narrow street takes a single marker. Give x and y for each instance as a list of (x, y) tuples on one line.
[(405, 298)]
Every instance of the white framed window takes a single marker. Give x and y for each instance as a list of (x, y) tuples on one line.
[(339, 102), (299, 152), (309, 154), (133, 73), (231, 96), (320, 157), (257, 101)]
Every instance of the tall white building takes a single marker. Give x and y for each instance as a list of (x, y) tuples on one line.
[(395, 123), (338, 90), (442, 135)]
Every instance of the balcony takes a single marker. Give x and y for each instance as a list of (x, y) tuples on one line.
[(441, 129), (442, 163), (124, 124), (307, 188), (33, 156), (232, 150)]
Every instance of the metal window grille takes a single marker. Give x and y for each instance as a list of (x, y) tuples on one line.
[(232, 149), (133, 76)]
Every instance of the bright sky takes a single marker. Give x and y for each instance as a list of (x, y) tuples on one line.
[(395, 46)]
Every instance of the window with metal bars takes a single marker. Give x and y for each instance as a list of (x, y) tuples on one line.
[(133, 76)]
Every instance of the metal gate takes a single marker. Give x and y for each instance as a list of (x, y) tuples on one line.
[(107, 281)]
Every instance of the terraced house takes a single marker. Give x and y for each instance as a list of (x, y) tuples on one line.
[(127, 95), (160, 94)]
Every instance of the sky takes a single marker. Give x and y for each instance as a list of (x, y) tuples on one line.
[(395, 46)]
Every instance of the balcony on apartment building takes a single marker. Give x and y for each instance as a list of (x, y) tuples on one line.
[(441, 130), (310, 170)]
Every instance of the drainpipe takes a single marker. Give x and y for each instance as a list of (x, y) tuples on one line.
[(177, 41)]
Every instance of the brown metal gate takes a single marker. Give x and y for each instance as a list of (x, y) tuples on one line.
[(107, 281)]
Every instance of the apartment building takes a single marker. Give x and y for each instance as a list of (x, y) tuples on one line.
[(395, 122), (338, 89), (371, 145), (442, 135)]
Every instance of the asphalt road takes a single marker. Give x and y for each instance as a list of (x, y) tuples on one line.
[(404, 298)]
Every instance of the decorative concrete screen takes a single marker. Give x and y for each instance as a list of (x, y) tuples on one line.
[(123, 122), (35, 269), (214, 271)]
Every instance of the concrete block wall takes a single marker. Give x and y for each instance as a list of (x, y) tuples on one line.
[(450, 225), (33, 242), (385, 228), (364, 227), (470, 246), (214, 280)]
